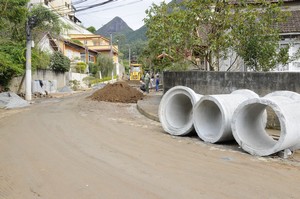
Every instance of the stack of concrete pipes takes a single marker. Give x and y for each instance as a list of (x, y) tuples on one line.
[(240, 115)]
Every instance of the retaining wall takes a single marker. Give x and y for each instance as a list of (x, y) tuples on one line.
[(61, 79)]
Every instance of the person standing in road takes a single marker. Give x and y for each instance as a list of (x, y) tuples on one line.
[(147, 80), (157, 83)]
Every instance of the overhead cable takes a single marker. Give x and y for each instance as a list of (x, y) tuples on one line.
[(95, 5), (137, 1)]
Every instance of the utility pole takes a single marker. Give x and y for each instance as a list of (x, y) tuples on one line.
[(28, 57), (117, 62), (129, 57), (111, 49), (111, 55)]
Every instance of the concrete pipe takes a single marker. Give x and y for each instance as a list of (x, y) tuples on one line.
[(213, 114), (249, 129), (176, 110)]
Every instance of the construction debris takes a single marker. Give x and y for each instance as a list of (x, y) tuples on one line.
[(65, 89), (9, 100)]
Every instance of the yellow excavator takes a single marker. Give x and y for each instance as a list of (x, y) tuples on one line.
[(136, 71)]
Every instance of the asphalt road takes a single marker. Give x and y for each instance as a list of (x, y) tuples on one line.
[(73, 148)]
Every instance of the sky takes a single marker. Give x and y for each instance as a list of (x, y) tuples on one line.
[(131, 11)]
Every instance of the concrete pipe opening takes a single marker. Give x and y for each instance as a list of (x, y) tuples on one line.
[(208, 120), (249, 125), (176, 110), (250, 132), (213, 114)]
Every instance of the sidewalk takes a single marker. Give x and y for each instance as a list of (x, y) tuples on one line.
[(149, 105)]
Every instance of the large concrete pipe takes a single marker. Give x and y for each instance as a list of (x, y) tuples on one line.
[(213, 113), (249, 129), (176, 110)]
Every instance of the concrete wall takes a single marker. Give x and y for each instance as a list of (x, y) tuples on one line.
[(79, 77), (206, 83), (62, 79)]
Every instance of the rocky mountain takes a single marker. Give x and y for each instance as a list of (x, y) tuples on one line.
[(116, 25), (120, 29)]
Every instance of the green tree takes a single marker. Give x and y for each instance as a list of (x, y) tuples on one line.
[(59, 62), (14, 14), (105, 65), (92, 29), (209, 29), (255, 36), (40, 59), (159, 29), (44, 21), (12, 22)]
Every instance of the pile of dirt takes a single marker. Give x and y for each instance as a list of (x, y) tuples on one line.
[(117, 92)]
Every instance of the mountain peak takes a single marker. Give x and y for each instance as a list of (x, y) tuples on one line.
[(116, 25)]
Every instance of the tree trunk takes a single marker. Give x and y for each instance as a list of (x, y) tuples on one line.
[(20, 85)]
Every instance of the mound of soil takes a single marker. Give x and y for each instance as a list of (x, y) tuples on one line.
[(117, 92)]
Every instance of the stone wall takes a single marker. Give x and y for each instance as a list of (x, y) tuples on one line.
[(207, 83)]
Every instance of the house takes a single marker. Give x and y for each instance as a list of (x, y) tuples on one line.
[(290, 36), (76, 52), (97, 43), (69, 42)]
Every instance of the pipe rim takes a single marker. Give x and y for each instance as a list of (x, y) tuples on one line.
[(197, 120), (254, 150), (163, 107)]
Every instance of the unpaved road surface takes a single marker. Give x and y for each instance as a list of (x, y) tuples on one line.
[(76, 148)]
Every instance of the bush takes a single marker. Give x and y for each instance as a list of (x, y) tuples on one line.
[(87, 80), (96, 81), (12, 62), (74, 84), (80, 67), (77, 42), (59, 62)]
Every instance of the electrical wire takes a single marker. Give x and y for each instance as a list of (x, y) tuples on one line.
[(95, 5), (78, 2), (137, 1)]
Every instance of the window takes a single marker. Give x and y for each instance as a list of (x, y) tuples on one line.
[(296, 64), (82, 57), (91, 58)]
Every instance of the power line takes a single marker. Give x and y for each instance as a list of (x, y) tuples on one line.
[(78, 2), (137, 1), (95, 5)]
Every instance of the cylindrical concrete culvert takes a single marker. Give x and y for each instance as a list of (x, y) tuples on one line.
[(249, 129), (176, 110), (213, 113)]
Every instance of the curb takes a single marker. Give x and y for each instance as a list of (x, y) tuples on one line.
[(145, 113)]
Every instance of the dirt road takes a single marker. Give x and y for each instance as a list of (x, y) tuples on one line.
[(76, 148)]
